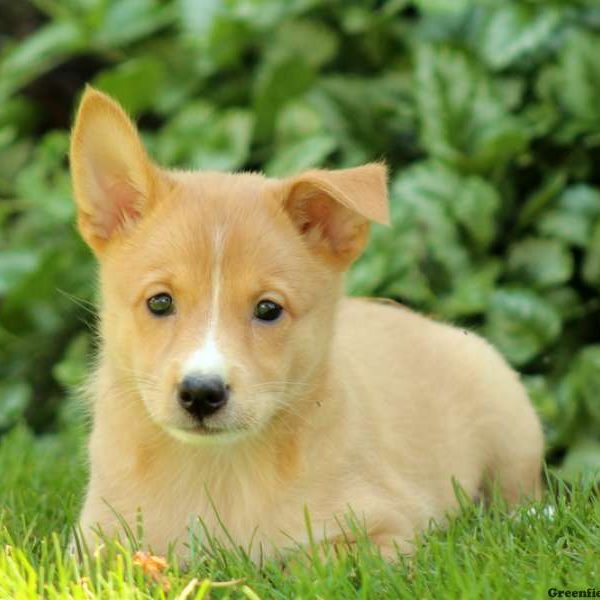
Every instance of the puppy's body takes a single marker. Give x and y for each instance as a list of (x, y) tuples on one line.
[(404, 405), (335, 405)]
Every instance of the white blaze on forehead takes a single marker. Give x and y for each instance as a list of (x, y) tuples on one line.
[(208, 359)]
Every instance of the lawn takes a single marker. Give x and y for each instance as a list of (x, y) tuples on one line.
[(483, 553)]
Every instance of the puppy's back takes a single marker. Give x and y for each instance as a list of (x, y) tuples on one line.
[(441, 400)]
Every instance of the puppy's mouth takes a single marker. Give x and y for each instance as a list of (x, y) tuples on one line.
[(200, 433), (204, 429)]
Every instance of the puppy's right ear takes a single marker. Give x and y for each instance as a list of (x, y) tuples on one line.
[(114, 182)]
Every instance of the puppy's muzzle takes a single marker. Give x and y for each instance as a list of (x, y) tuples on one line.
[(202, 396)]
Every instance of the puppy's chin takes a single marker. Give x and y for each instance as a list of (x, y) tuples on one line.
[(202, 436)]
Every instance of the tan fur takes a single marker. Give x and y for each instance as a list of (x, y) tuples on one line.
[(342, 404)]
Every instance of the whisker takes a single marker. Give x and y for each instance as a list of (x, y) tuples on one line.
[(86, 305)]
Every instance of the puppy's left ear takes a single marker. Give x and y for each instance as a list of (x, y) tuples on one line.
[(332, 209)]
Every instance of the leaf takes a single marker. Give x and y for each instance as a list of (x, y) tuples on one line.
[(521, 324), (540, 262), (265, 15), (472, 293), (578, 395), (12, 159), (14, 266), (569, 410), (443, 6), (203, 138), (581, 199), (309, 152), (566, 301), (298, 121), (470, 202), (586, 378), (582, 461), (369, 116), (571, 228), (542, 397), (226, 143), (38, 53), (591, 262), (367, 274), (576, 81), (72, 368), (475, 207), (573, 214), (179, 138), (426, 192), (44, 183), (441, 219), (134, 83), (198, 16), (464, 121), (277, 82), (558, 420), (411, 285), (312, 40), (538, 200), (34, 304), (512, 32), (14, 399), (123, 23)]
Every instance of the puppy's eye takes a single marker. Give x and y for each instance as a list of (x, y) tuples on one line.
[(267, 310), (160, 305)]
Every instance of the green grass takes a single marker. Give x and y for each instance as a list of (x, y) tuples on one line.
[(483, 553)]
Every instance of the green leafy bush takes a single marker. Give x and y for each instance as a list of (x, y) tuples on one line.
[(487, 112)]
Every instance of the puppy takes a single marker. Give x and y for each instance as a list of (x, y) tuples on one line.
[(237, 387)]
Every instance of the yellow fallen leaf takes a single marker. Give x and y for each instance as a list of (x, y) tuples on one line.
[(153, 566)]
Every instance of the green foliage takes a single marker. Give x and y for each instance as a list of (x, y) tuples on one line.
[(486, 111)]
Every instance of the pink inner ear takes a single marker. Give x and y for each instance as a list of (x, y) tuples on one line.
[(335, 223), (317, 214), (123, 207)]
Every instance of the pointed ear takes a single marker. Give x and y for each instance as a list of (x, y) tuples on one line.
[(113, 179), (332, 209)]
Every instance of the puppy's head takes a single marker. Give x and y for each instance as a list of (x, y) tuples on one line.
[(218, 290)]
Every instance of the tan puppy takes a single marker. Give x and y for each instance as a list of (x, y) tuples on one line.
[(234, 378)]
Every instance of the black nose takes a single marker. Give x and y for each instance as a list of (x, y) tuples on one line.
[(202, 396)]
